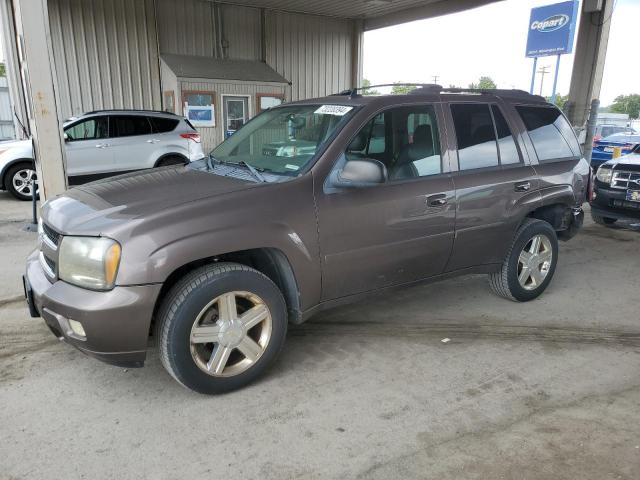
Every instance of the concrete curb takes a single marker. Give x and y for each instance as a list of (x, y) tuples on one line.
[(10, 300)]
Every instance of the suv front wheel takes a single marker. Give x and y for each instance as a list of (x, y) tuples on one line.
[(529, 266), (221, 327)]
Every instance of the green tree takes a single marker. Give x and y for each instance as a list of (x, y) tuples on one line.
[(629, 104), (484, 83), (399, 89), (561, 100), (3, 71), (368, 91)]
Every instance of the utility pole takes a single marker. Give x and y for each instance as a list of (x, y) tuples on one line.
[(542, 71), (435, 79)]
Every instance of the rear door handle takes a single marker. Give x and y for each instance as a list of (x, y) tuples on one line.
[(153, 140), (437, 200), (102, 145), (522, 186)]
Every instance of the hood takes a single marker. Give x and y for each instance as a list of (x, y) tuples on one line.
[(7, 144), (95, 207), (630, 159)]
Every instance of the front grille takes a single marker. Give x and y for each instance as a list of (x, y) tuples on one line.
[(50, 234), (48, 265), (623, 180)]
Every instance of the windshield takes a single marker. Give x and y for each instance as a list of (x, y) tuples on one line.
[(283, 140)]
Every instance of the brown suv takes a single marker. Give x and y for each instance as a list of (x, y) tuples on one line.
[(310, 205)]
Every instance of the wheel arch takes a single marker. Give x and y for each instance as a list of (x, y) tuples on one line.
[(270, 261), (168, 155)]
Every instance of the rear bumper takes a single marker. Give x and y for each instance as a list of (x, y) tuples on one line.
[(116, 323), (574, 218)]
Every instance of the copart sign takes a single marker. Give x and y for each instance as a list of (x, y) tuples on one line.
[(551, 29)]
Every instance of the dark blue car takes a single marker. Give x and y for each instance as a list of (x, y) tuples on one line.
[(603, 148)]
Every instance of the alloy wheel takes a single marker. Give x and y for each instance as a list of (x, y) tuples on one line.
[(535, 262), (230, 334), (24, 181)]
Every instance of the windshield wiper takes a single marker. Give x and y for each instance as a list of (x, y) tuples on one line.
[(254, 171)]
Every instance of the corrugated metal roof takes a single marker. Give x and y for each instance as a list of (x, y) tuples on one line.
[(191, 66)]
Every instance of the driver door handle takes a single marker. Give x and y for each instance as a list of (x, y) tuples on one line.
[(437, 200), (522, 186), (102, 145)]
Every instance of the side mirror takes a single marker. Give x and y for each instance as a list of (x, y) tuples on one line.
[(359, 173), (66, 137)]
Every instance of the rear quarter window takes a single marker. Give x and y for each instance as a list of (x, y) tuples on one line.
[(163, 125), (552, 136)]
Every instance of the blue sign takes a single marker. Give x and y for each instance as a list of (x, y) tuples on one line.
[(551, 29)]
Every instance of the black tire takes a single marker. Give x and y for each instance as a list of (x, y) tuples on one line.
[(505, 282), (8, 180), (606, 221), (187, 299), (171, 160)]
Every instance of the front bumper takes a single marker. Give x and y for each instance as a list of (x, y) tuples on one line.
[(116, 322), (612, 203)]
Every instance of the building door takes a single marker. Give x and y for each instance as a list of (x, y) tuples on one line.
[(235, 112)]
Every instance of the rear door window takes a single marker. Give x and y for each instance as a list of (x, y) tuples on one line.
[(552, 136), (129, 125), (163, 125), (477, 147)]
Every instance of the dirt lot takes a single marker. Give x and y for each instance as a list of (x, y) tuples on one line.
[(544, 390)]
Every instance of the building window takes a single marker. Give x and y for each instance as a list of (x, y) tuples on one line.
[(268, 100), (199, 107)]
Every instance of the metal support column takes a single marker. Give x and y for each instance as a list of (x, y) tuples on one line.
[(533, 74), (555, 81), (588, 65), (39, 80)]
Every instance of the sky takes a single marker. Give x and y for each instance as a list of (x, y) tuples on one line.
[(491, 41)]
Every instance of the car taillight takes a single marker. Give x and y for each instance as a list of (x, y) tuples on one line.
[(628, 146), (191, 136)]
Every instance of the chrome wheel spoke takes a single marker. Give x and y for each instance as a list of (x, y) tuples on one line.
[(205, 334), (254, 316), (250, 349), (535, 244), (536, 276), (544, 256), (227, 308), (524, 275), (218, 360), (525, 257)]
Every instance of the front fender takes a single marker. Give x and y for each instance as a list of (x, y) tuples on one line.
[(156, 247)]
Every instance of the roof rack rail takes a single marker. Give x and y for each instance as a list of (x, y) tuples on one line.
[(505, 92), (133, 110), (351, 92)]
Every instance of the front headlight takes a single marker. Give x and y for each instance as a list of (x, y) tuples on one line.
[(604, 174), (89, 262)]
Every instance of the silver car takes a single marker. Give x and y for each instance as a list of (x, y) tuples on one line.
[(105, 143)]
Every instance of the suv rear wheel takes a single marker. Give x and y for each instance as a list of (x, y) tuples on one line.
[(171, 160), (530, 264), (221, 327), (21, 180)]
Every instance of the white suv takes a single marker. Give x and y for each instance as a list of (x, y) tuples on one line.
[(104, 143)]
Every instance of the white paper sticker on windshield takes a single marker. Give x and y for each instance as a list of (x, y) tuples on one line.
[(292, 167), (339, 110)]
